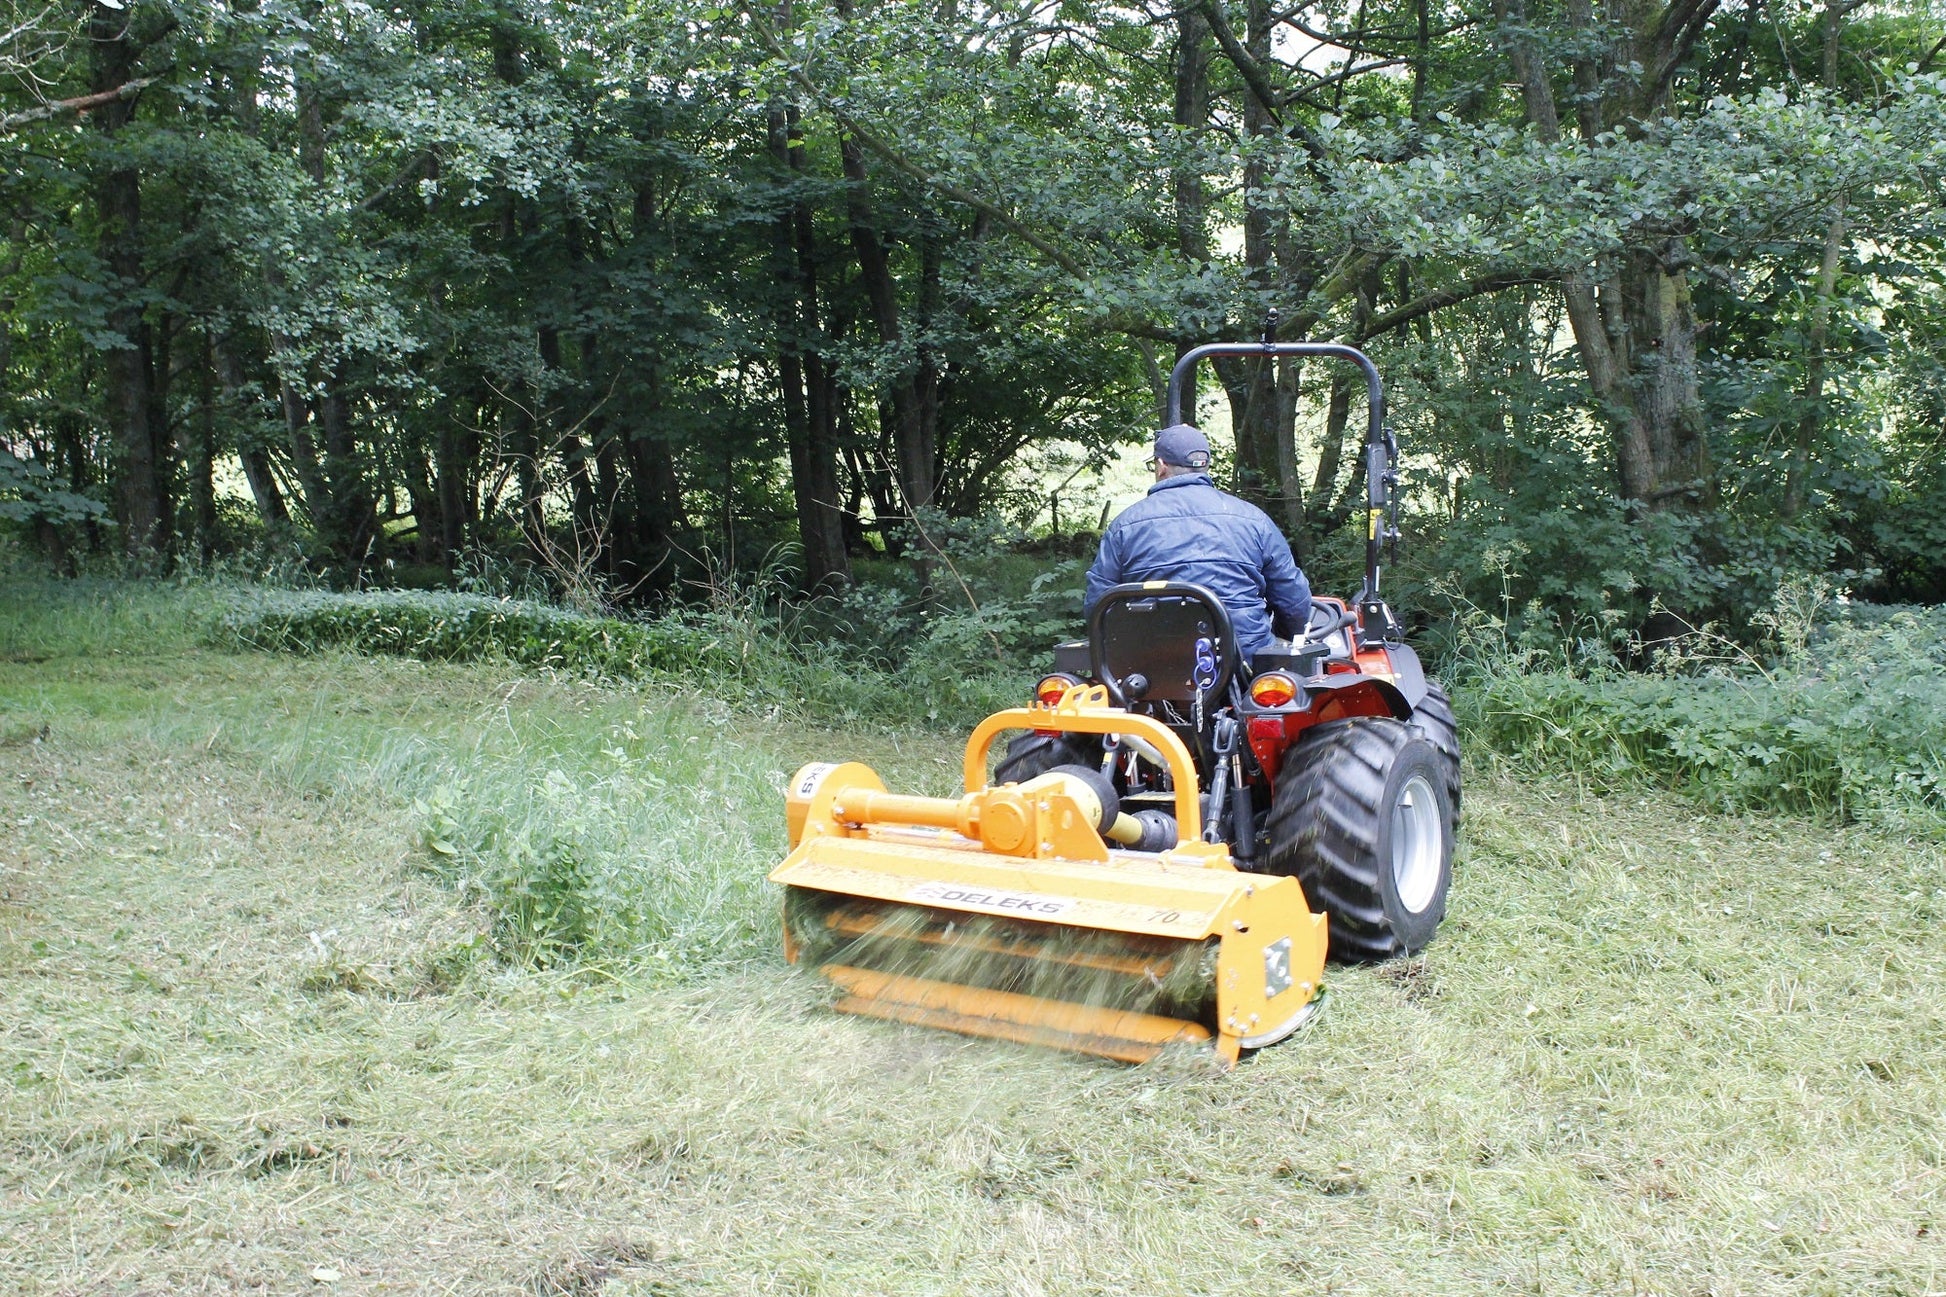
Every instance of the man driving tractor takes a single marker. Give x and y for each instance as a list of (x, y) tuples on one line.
[(1187, 530), (1189, 816)]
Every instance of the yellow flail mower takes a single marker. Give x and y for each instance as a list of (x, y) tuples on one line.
[(1172, 844)]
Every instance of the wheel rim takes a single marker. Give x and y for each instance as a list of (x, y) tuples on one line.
[(1416, 845)]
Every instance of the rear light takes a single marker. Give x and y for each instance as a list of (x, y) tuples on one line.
[(1052, 688), (1272, 689)]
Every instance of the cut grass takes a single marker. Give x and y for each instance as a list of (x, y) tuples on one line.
[(250, 1043)]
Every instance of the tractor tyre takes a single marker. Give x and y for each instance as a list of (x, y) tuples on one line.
[(1434, 718), (1034, 754), (1362, 820)]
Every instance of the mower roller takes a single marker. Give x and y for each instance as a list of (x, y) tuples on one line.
[(1141, 870)]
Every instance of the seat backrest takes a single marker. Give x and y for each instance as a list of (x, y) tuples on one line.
[(1175, 635)]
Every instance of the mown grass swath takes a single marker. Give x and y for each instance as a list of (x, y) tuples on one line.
[(251, 1030)]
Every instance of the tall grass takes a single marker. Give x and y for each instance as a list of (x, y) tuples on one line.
[(742, 644), (653, 852), (1844, 716), (41, 617)]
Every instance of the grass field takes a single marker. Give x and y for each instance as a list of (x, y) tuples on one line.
[(254, 1039)]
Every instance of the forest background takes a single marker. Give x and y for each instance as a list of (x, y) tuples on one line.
[(786, 361), (616, 294)]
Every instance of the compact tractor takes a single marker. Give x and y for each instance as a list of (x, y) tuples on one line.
[(1176, 839)]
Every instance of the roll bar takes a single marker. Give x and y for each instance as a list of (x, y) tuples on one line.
[(1381, 448)]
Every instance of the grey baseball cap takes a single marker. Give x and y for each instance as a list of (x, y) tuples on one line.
[(1182, 445)]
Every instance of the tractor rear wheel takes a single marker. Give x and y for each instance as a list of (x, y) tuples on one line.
[(1362, 820), (1434, 718), (1032, 754)]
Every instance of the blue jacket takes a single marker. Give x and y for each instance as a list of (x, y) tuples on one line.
[(1187, 530)]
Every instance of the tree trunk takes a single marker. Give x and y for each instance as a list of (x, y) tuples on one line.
[(910, 403), (141, 492), (452, 471), (313, 494), (809, 419), (354, 525), (324, 450), (589, 527), (1797, 475), (879, 487), (918, 451), (1192, 107), (421, 482), (202, 462), (1632, 317), (658, 506), (1252, 383), (881, 291), (1263, 394), (256, 463)]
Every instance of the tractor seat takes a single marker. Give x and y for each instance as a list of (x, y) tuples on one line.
[(1161, 641)]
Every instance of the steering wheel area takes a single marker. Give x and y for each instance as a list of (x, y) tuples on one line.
[(1324, 623)]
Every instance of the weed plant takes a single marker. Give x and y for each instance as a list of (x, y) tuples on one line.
[(614, 855), (1844, 716)]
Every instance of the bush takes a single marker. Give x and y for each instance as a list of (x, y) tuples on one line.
[(438, 626), (1849, 722), (739, 645)]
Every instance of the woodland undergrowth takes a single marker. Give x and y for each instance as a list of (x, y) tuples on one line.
[(1823, 707), (1826, 708)]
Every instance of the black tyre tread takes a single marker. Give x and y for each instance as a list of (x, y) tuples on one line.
[(1324, 829), (1032, 754), (1434, 719)]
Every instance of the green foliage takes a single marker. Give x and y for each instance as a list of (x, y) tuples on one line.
[(27, 494), (740, 643), (439, 626), (991, 602), (601, 285), (1850, 723)]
